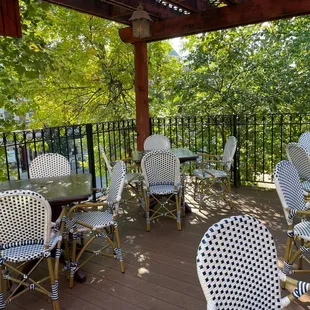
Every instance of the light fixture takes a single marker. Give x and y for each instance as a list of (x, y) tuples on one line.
[(140, 23)]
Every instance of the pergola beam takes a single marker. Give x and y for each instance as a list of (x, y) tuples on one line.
[(250, 12)]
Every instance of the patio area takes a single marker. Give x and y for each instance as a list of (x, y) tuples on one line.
[(160, 264)]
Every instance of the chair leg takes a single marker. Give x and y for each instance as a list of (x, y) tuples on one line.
[(300, 260), (147, 212), (2, 302), (287, 252), (118, 251), (54, 284), (178, 205), (73, 263)]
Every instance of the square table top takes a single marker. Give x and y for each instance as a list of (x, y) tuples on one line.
[(57, 190)]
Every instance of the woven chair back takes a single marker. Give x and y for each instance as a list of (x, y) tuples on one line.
[(116, 184), (160, 167), (25, 218), (49, 165), (237, 266), (289, 188), (300, 158), (107, 162), (229, 151), (156, 142), (304, 141)]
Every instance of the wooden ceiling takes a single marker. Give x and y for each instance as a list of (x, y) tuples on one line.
[(171, 18)]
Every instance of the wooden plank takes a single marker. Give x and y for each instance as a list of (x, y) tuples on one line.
[(10, 19), (250, 12), (141, 89)]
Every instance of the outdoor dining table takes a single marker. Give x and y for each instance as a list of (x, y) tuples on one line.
[(58, 191), (183, 154)]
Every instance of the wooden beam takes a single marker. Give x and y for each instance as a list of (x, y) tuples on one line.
[(250, 12), (141, 88), (155, 10), (96, 8), (10, 19)]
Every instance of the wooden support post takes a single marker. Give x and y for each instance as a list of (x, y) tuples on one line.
[(141, 88), (10, 19)]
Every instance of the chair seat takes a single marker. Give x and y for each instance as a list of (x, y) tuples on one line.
[(23, 253), (96, 219), (203, 174), (306, 186), (163, 189), (302, 230)]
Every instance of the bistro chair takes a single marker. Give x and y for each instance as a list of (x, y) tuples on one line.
[(28, 237), (237, 267), (290, 192), (49, 165), (207, 176), (162, 184), (99, 220), (156, 142), (304, 141), (132, 180)]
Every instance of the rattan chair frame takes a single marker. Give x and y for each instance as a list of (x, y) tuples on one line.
[(27, 235), (206, 177), (100, 221), (162, 182), (290, 192), (237, 267)]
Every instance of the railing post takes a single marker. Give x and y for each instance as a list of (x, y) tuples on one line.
[(91, 157), (236, 157)]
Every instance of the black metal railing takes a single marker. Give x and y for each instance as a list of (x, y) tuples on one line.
[(261, 143)]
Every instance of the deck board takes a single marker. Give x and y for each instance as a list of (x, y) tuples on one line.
[(160, 264)]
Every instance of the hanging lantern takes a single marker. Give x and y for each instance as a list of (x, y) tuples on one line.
[(140, 23)]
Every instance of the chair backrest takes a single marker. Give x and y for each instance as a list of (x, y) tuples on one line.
[(160, 167), (156, 142), (116, 184), (300, 158), (107, 162), (25, 218), (237, 266), (289, 188), (304, 140), (229, 151), (49, 165)]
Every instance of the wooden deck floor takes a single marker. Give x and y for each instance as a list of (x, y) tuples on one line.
[(160, 264)]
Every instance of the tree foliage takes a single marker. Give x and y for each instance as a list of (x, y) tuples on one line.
[(256, 68)]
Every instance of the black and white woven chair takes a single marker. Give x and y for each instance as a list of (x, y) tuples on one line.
[(156, 142), (162, 183), (304, 141), (300, 158), (99, 222), (290, 192), (237, 267), (206, 176), (49, 165), (133, 180), (27, 235)]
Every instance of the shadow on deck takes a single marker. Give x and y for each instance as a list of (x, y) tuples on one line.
[(160, 264)]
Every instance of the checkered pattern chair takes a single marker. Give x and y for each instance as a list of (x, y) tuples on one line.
[(49, 165), (290, 192), (304, 141), (156, 142), (162, 183), (98, 222), (237, 267), (206, 176), (132, 181), (300, 158), (27, 234)]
